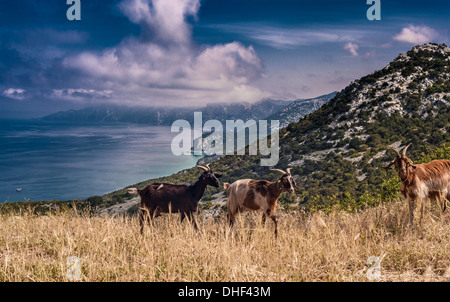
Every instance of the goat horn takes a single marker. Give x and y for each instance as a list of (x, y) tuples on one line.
[(394, 150), (207, 166), (203, 168), (279, 171), (406, 148), (288, 170)]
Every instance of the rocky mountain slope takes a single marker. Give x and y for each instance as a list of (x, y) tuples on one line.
[(298, 109), (340, 147), (336, 153)]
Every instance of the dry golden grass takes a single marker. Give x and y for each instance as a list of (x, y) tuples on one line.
[(319, 247)]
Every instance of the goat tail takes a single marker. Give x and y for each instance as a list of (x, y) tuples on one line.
[(226, 185), (133, 191)]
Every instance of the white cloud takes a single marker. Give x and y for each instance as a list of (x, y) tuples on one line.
[(14, 93), (416, 34), (286, 38), (167, 19), (166, 67), (80, 94), (352, 48)]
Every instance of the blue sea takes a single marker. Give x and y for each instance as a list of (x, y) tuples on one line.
[(64, 161)]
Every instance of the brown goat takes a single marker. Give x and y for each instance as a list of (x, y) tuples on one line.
[(422, 181), (253, 195), (160, 198)]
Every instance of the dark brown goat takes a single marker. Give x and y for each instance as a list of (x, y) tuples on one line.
[(160, 198), (422, 181)]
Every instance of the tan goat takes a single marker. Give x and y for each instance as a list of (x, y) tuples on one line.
[(252, 195), (422, 181)]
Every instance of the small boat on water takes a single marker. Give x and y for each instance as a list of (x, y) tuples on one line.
[(19, 190)]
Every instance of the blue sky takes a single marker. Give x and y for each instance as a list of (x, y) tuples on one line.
[(193, 52)]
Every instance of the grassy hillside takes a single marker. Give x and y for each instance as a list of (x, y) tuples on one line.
[(317, 247)]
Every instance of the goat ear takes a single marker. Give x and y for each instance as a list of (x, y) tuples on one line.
[(389, 165), (218, 175)]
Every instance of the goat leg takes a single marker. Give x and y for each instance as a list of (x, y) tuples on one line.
[(422, 209), (411, 203), (145, 216), (275, 220), (232, 216), (193, 219), (141, 220), (445, 199), (272, 216)]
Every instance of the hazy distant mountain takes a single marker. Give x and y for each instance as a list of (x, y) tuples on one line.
[(165, 116)]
